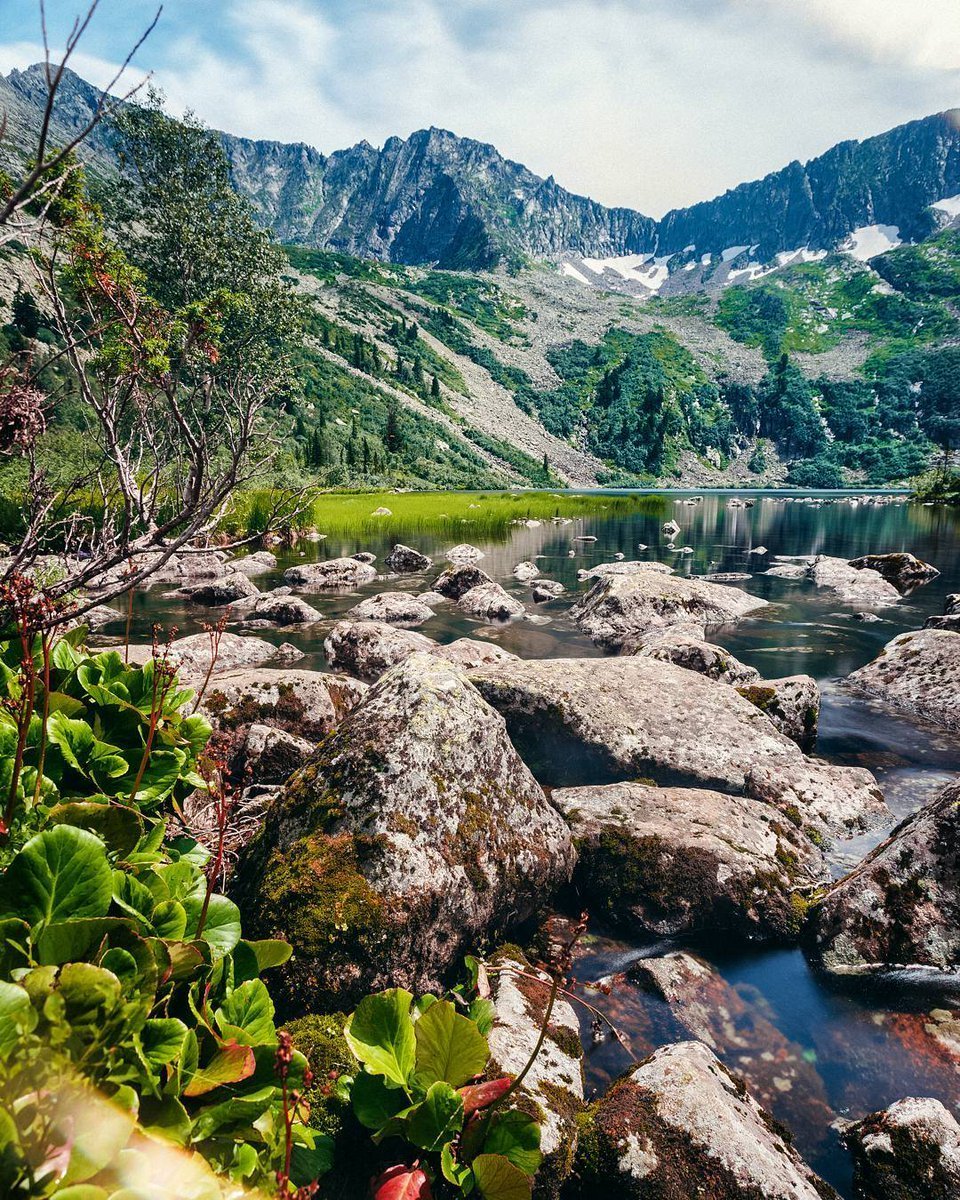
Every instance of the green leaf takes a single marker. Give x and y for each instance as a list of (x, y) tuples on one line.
[(449, 1047), (89, 993), (483, 1013), (516, 1136), (246, 1015), (120, 827), (66, 941), (312, 1157), (373, 1102), (82, 1191), (222, 928), (165, 1117), (61, 873), (230, 1064), (380, 1033), (237, 1110), (436, 1119), (17, 1016), (498, 1179), (169, 920), (162, 1040), (454, 1172)]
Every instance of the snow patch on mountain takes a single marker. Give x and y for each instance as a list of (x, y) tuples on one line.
[(949, 204), (868, 241), (568, 269)]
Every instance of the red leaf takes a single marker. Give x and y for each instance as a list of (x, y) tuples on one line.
[(479, 1095), (401, 1183)]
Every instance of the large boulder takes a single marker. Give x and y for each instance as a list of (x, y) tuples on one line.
[(909, 1151), (686, 649), (414, 834), (589, 721), (183, 567), (670, 861), (192, 655), (490, 602), (269, 755), (901, 905), (863, 587), (681, 1125), (342, 573), (395, 608), (368, 648), (918, 672), (791, 703), (216, 592), (553, 1086), (308, 703), (277, 607), (404, 560), (734, 1022), (905, 571), (525, 571), (260, 562), (620, 606), (456, 581)]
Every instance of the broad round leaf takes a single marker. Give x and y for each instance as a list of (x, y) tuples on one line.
[(373, 1102), (380, 1033), (17, 1016), (221, 931), (449, 1047), (436, 1119), (60, 874), (402, 1183), (498, 1179), (516, 1136), (246, 1015)]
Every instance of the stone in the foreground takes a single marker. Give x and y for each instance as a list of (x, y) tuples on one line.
[(918, 672), (791, 703), (414, 834), (909, 1151), (590, 721), (368, 648), (619, 606), (680, 1125), (901, 906), (685, 860), (308, 703), (193, 655), (554, 1083)]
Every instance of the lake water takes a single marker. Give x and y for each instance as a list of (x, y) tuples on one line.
[(812, 1049)]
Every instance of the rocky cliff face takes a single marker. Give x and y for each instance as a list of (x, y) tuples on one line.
[(438, 198)]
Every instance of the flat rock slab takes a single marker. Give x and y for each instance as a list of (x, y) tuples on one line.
[(918, 672), (620, 606), (192, 655), (854, 586), (396, 608), (681, 1124), (415, 833), (594, 721), (668, 861), (901, 906)]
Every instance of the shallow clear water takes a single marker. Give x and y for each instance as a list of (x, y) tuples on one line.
[(849, 1049)]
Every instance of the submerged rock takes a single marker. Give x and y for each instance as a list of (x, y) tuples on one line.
[(791, 703), (554, 1082), (684, 860), (545, 590), (396, 608), (686, 649), (331, 573), (788, 571), (415, 833), (905, 571), (901, 906), (404, 560), (590, 721), (918, 672), (909, 1151), (620, 606), (681, 1125)]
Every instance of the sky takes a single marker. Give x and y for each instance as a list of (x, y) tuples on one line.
[(651, 104)]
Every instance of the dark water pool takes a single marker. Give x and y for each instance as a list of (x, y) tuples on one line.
[(813, 1050)]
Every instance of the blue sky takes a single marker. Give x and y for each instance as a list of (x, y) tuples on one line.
[(648, 103)]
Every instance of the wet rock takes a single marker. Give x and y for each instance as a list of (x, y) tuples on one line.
[(732, 1022), (602, 570), (464, 553), (619, 606), (681, 1125), (181, 568), (905, 571), (404, 560), (951, 616), (918, 672), (216, 592), (471, 653), (364, 556), (332, 573), (676, 645), (456, 581), (415, 833), (788, 571), (368, 648), (525, 571), (670, 861), (545, 590), (258, 563), (791, 703), (270, 755), (554, 1082), (490, 602), (277, 607), (309, 703), (852, 585), (901, 906), (909, 1151), (727, 576), (192, 655), (396, 608), (868, 618), (431, 599), (590, 721)]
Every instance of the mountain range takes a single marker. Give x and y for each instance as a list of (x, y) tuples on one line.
[(458, 203)]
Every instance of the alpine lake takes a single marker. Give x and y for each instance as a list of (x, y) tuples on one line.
[(813, 1049)]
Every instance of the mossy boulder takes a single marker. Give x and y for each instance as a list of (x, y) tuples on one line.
[(910, 1151), (681, 1125), (791, 703), (414, 834), (552, 1090), (368, 648), (669, 861), (395, 608), (901, 905), (335, 574)]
